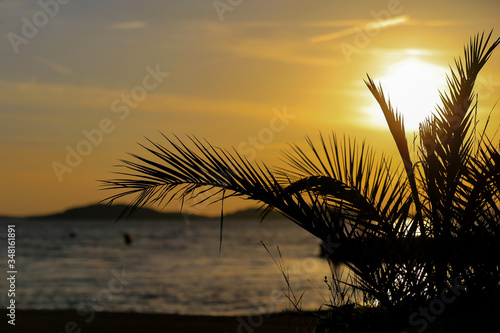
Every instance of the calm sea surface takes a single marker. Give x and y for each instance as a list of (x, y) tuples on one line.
[(171, 267)]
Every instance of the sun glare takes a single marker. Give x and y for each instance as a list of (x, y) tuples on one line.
[(412, 87)]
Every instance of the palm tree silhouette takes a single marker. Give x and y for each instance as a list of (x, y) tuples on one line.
[(406, 231)]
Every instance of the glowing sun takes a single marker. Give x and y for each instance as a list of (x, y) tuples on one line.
[(413, 88)]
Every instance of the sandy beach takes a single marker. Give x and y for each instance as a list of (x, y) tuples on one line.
[(28, 321), (476, 318)]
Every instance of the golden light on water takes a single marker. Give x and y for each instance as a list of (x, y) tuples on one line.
[(412, 86)]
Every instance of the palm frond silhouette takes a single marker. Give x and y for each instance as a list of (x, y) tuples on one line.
[(406, 231)]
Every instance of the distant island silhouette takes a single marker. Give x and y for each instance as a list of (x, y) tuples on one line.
[(104, 212)]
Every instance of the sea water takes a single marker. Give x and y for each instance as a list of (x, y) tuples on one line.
[(170, 266)]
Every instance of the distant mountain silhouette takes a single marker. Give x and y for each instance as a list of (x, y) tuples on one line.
[(104, 212), (7, 218)]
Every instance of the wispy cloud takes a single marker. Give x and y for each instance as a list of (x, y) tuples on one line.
[(444, 23), (132, 25), (335, 23), (249, 40), (369, 25), (54, 66), (288, 51), (59, 96)]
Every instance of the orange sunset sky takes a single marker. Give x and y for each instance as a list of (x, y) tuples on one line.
[(81, 82)]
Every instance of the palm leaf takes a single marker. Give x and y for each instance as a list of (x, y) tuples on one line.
[(341, 192), (395, 122)]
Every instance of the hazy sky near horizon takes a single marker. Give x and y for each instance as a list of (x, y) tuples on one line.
[(81, 82)]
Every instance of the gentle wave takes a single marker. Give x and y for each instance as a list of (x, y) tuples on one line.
[(176, 267)]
